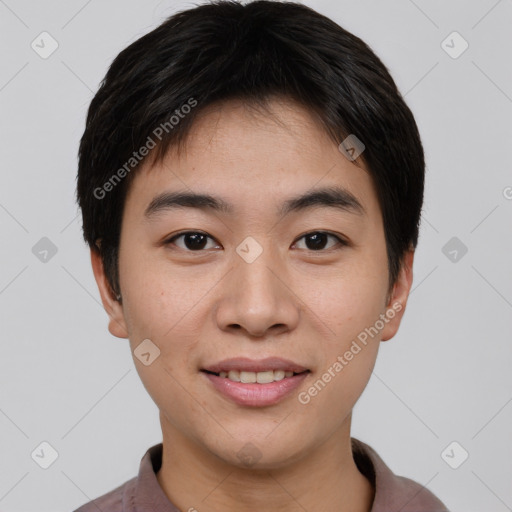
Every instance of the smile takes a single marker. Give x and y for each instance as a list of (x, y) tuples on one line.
[(255, 377), (255, 383)]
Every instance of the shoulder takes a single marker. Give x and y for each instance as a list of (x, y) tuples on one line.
[(410, 496), (393, 492), (112, 501)]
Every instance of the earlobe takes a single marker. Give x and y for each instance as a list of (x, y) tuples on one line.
[(395, 308), (117, 325)]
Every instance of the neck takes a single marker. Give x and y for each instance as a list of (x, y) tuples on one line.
[(324, 479)]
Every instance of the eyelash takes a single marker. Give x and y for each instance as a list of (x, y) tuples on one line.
[(341, 241)]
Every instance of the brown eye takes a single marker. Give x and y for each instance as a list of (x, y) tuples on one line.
[(317, 240), (192, 240)]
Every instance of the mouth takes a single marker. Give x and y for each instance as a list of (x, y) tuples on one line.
[(254, 383), (246, 377)]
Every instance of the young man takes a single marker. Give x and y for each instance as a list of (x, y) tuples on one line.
[(251, 184)]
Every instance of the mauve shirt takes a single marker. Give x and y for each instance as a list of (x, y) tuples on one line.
[(392, 493)]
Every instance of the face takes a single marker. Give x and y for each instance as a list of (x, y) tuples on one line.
[(253, 283)]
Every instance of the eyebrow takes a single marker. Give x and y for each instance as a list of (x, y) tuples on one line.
[(331, 197)]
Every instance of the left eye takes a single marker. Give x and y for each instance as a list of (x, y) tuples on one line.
[(196, 240), (317, 240)]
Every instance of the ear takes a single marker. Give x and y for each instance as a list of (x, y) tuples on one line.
[(116, 325), (395, 308)]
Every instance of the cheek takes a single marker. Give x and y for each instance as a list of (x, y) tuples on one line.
[(338, 384), (168, 309), (351, 308), (337, 388), (350, 304), (348, 356), (169, 394), (154, 299)]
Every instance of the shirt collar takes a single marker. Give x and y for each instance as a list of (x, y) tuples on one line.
[(392, 492)]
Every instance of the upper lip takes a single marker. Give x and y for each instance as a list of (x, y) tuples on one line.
[(245, 364)]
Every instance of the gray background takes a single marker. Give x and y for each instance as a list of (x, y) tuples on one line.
[(445, 377)]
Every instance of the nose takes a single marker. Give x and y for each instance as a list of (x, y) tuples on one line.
[(258, 298)]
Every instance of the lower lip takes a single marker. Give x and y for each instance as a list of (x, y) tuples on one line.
[(256, 395)]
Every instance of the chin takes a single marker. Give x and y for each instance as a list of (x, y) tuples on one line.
[(259, 453)]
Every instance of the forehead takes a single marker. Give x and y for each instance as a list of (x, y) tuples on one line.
[(250, 155)]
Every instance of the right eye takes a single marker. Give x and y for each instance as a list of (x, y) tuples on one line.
[(193, 241)]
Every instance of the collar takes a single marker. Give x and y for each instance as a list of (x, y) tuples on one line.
[(392, 492)]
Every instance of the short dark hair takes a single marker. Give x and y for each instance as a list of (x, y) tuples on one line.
[(254, 52)]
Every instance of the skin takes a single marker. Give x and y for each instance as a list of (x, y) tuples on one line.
[(200, 307)]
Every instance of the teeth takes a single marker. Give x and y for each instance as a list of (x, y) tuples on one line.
[(259, 377), (279, 374), (234, 375), (265, 377), (248, 377)]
